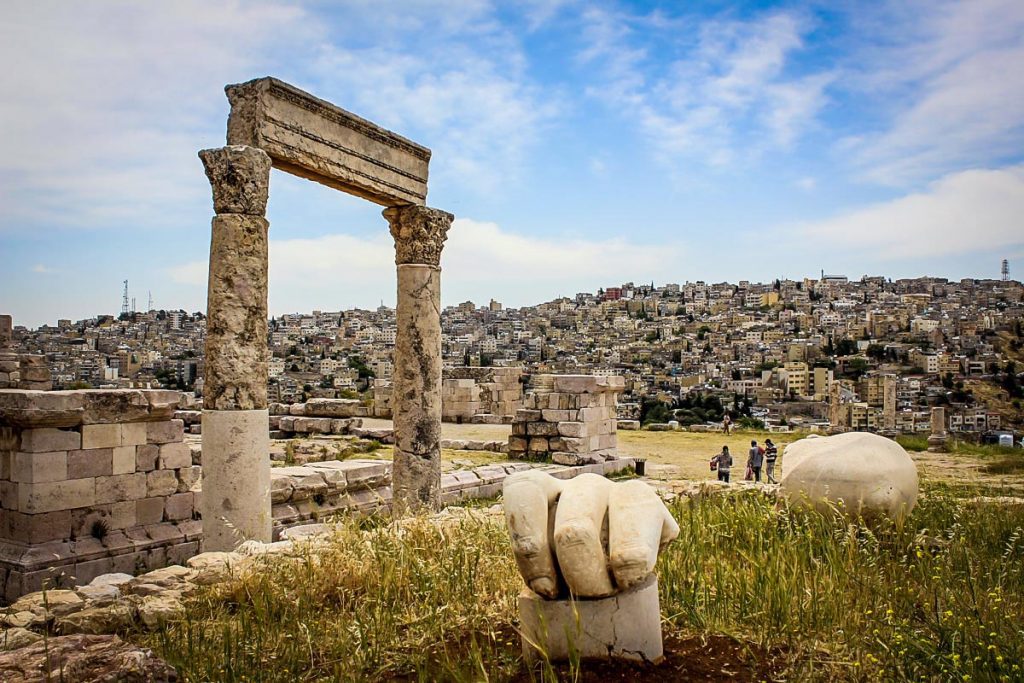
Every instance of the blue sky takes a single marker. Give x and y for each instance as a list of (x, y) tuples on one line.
[(580, 144)]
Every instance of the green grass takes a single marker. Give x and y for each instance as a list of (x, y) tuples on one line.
[(939, 597)]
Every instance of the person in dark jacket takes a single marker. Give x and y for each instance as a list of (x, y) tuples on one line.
[(755, 460), (723, 462)]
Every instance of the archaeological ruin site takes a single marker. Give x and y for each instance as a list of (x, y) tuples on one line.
[(479, 521)]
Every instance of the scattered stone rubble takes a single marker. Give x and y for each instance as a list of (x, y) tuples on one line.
[(568, 419)]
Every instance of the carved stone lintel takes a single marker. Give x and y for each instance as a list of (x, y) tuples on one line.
[(419, 233), (240, 177)]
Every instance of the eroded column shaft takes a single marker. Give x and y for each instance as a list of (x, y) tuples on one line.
[(236, 465), (419, 234)]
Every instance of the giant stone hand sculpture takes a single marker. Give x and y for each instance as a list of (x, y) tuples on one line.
[(586, 536)]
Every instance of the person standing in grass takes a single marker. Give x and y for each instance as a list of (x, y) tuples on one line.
[(723, 463), (771, 453), (755, 460)]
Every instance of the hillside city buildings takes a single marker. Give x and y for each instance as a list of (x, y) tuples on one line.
[(882, 352)]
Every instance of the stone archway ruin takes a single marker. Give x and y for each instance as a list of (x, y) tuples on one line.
[(273, 124)]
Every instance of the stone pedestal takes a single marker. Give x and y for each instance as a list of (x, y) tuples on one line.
[(236, 503), (236, 457), (419, 234), (624, 626)]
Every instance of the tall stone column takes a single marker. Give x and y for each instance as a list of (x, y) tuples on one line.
[(419, 234), (236, 442)]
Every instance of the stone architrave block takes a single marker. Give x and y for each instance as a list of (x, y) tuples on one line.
[(57, 495), (161, 483), (314, 139), (166, 431), (133, 434), (39, 467), (576, 384), (175, 456), (120, 488), (95, 462), (49, 439), (123, 460), (101, 436)]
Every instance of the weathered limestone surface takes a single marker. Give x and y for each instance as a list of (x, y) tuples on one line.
[(236, 336), (314, 139), (77, 499), (419, 234), (240, 178), (236, 483), (624, 626), (83, 659), (868, 473)]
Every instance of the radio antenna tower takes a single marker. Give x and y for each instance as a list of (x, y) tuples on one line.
[(1005, 270), (124, 299), (150, 293)]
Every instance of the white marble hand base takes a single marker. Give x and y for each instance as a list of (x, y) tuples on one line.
[(624, 626)]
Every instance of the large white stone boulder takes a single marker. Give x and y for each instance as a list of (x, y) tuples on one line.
[(870, 474)]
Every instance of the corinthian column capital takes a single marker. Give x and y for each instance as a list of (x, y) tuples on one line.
[(419, 233), (240, 177)]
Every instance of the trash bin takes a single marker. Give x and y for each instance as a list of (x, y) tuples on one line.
[(640, 466)]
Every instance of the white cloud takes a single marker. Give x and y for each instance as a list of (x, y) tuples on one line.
[(948, 80), (730, 97), (807, 183), (40, 268), (106, 103), (969, 211), (480, 260)]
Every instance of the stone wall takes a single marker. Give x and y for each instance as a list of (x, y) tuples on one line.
[(471, 394), (92, 482), (568, 419)]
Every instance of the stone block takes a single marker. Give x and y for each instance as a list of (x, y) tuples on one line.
[(133, 434), (178, 507), (86, 521), (38, 528), (624, 626), (524, 415), (147, 457), (161, 483), (174, 456), (517, 443), (120, 488), (542, 429), (49, 439), (123, 459), (188, 477), (95, 462), (101, 436), (572, 429), (167, 431), (57, 495), (122, 514), (538, 444), (39, 467), (149, 510)]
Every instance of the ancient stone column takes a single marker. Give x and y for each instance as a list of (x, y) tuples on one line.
[(235, 503), (937, 439), (419, 234), (889, 403)]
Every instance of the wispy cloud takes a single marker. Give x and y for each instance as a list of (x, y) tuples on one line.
[(949, 85), (41, 269), (110, 100), (731, 96)]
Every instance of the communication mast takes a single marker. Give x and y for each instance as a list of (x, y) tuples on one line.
[(150, 308), (124, 299), (1005, 270)]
